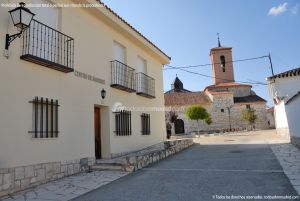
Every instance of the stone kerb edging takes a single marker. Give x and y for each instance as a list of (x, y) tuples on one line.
[(136, 162), (19, 178)]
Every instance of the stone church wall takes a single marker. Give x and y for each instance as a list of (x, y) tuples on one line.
[(237, 91), (220, 118)]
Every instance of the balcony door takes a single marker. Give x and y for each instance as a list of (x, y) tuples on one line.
[(119, 52), (46, 42), (46, 15), (142, 65), (142, 68), (120, 74)]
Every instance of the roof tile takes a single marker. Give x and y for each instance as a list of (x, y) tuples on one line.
[(289, 73), (248, 99), (186, 98)]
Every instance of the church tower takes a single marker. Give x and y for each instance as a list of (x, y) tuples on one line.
[(222, 67)]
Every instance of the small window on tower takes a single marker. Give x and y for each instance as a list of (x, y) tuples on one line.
[(222, 62)]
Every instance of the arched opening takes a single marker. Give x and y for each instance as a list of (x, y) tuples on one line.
[(179, 126), (222, 62)]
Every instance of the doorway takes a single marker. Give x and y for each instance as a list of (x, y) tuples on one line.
[(179, 126), (97, 125)]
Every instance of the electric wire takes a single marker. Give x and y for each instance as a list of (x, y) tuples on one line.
[(183, 68), (202, 65)]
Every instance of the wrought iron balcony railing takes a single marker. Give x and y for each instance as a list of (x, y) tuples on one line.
[(46, 46), (145, 85), (122, 76)]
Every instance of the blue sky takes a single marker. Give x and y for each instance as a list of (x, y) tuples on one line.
[(186, 30)]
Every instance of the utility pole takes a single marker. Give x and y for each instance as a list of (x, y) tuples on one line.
[(271, 65), (229, 116)]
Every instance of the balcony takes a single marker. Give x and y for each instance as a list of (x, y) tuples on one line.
[(48, 47), (122, 76), (145, 85)]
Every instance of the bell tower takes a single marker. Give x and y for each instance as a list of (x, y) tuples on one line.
[(222, 67)]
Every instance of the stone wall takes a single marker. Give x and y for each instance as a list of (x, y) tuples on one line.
[(220, 120), (19, 178), (295, 141), (271, 120), (139, 161), (237, 91)]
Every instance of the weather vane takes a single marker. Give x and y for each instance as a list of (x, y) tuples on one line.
[(219, 43)]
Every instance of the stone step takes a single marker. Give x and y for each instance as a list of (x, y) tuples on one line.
[(108, 166)]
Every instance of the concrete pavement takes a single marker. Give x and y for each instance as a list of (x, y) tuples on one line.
[(224, 168)]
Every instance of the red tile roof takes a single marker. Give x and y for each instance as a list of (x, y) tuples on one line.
[(249, 99), (221, 92), (227, 84), (124, 21), (186, 98), (271, 109), (289, 73)]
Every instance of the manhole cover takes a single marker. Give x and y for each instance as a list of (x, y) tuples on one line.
[(236, 151), (229, 140)]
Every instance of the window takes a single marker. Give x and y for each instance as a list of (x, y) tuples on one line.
[(46, 15), (222, 61), (145, 124), (222, 110), (141, 65), (119, 52), (45, 118), (123, 123), (248, 107)]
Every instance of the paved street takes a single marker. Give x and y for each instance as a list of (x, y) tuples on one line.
[(227, 166)]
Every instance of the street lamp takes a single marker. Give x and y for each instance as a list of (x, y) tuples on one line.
[(21, 18), (103, 93)]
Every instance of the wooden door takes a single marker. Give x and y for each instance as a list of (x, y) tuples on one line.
[(97, 125)]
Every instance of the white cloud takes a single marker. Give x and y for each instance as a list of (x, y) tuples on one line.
[(276, 10), (295, 9)]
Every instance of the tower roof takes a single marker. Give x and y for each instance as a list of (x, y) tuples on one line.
[(177, 86), (219, 49)]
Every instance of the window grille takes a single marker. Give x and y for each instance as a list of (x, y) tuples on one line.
[(145, 124), (123, 123), (45, 118)]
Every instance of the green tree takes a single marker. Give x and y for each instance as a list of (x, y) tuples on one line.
[(197, 112), (249, 116), (208, 120)]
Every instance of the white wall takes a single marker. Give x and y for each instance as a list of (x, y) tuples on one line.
[(286, 115), (286, 87), (20, 81), (293, 115), (280, 116)]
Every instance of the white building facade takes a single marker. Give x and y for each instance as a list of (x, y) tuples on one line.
[(59, 85), (285, 90)]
